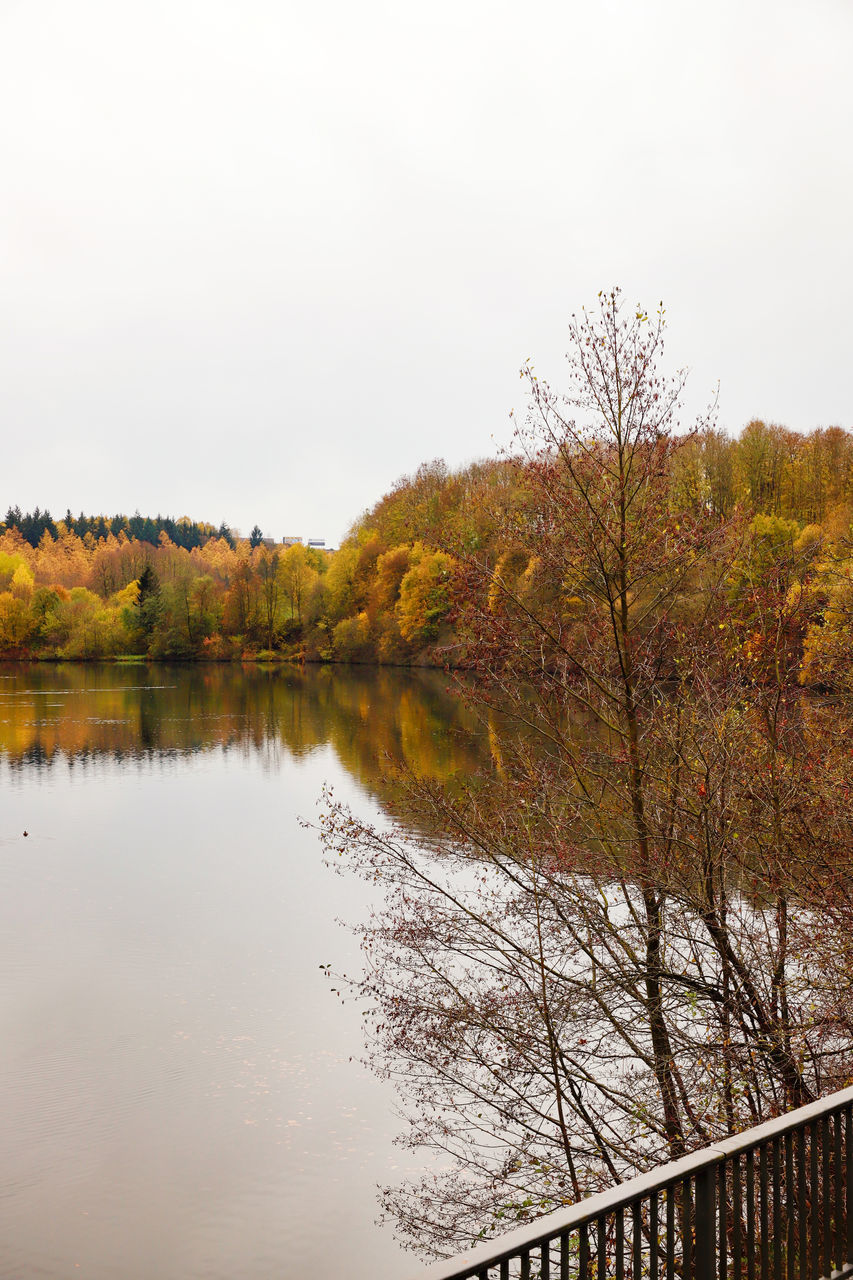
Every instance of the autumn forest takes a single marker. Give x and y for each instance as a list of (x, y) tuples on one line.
[(95, 588)]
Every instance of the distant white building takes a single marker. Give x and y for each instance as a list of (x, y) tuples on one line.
[(319, 543), (291, 542)]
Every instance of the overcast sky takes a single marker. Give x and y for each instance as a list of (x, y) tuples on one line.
[(257, 259)]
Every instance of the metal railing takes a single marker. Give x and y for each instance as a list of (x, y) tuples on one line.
[(773, 1203)]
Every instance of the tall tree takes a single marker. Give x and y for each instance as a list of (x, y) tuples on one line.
[(580, 985), (270, 592)]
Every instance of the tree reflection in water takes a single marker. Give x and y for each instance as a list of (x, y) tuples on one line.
[(61, 715)]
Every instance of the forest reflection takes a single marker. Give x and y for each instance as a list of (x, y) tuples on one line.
[(374, 719)]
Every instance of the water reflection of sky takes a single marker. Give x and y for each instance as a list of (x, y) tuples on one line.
[(180, 1091)]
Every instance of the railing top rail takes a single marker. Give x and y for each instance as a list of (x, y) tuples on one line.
[(553, 1224)]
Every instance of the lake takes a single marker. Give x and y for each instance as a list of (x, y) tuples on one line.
[(180, 1090)]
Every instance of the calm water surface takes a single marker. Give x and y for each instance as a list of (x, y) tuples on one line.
[(178, 1088)]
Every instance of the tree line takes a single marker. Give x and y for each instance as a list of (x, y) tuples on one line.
[(396, 590), (184, 532)]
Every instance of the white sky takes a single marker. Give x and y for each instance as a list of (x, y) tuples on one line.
[(258, 259)]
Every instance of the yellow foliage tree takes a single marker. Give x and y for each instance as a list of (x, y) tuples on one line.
[(22, 582), (15, 622), (352, 638), (426, 596)]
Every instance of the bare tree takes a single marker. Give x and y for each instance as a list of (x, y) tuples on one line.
[(608, 952)]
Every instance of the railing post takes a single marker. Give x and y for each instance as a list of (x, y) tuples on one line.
[(705, 1253)]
